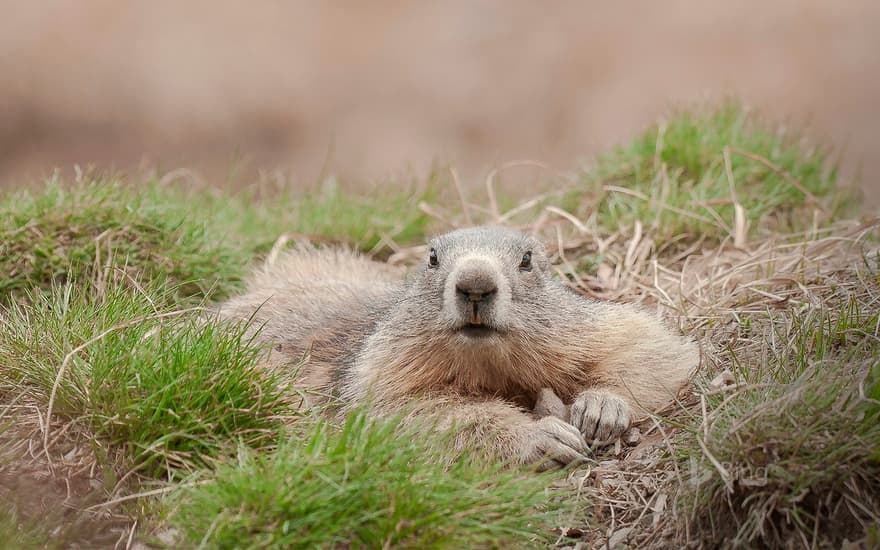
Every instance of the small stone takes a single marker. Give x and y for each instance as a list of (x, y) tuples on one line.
[(168, 537), (631, 437), (618, 537), (723, 381), (569, 532)]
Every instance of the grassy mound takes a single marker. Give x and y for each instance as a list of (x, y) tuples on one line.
[(794, 445), (366, 484), (73, 233), (167, 387), (199, 241), (710, 174)]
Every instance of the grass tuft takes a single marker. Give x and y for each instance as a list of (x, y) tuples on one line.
[(798, 445), (16, 532), (683, 177), (365, 484), (201, 242), (72, 232), (170, 389), (384, 218)]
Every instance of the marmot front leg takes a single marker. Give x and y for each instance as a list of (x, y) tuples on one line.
[(638, 366), (504, 429)]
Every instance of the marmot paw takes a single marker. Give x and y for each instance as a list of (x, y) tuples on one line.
[(600, 415), (551, 443)]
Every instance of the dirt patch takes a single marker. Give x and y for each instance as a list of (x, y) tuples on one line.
[(56, 495)]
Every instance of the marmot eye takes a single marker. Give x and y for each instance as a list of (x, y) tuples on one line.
[(526, 263), (433, 260)]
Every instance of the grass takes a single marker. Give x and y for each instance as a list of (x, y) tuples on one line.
[(385, 220), (165, 417), (168, 388), (688, 175), (15, 532), (798, 445), (364, 484), (70, 233), (200, 241)]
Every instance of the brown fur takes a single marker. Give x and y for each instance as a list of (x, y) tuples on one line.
[(470, 341)]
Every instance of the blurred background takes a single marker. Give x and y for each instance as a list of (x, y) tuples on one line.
[(373, 90)]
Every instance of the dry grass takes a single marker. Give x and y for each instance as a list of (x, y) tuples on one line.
[(773, 444)]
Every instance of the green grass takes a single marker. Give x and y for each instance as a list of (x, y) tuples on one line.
[(62, 232), (365, 485), (16, 532), (171, 392), (200, 241), (682, 177), (179, 397), (799, 444), (364, 221)]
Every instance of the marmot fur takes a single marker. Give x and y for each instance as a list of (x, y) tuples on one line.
[(469, 339)]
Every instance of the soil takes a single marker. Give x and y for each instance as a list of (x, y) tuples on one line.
[(54, 496)]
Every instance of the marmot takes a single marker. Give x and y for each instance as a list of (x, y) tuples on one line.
[(468, 339)]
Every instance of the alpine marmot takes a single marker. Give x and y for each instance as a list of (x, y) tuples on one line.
[(468, 339)]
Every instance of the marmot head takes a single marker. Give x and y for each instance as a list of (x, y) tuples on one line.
[(482, 283)]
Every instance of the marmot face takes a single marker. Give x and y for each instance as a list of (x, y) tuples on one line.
[(479, 284)]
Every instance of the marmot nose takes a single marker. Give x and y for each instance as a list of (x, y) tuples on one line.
[(476, 286)]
